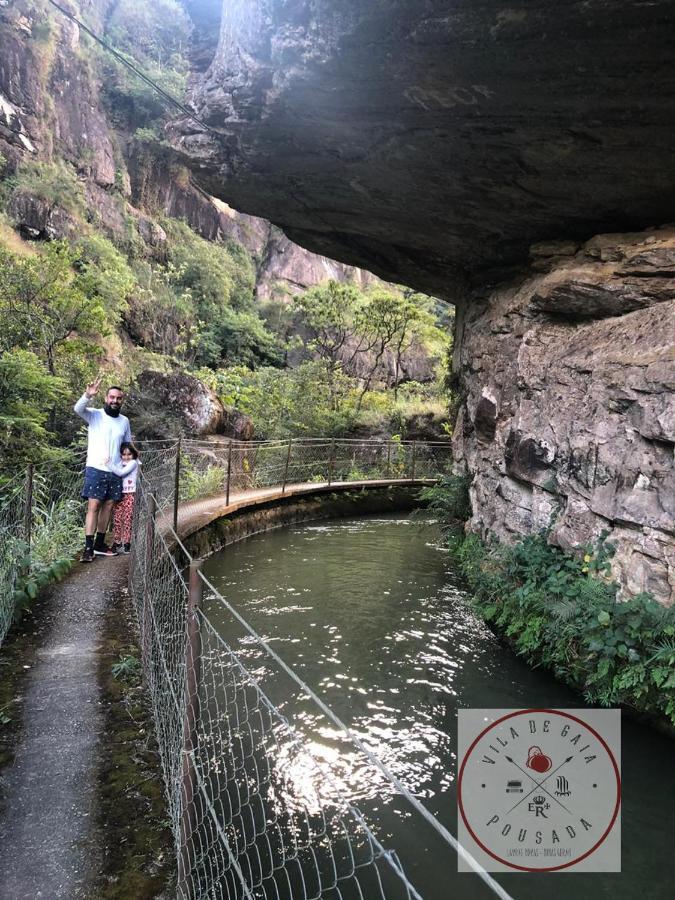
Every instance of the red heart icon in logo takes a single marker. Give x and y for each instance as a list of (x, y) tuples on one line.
[(537, 760)]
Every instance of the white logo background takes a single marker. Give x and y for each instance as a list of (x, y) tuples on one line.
[(539, 790)]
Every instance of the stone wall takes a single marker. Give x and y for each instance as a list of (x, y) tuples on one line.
[(569, 412)]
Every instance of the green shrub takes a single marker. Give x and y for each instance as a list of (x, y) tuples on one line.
[(33, 576), (196, 482), (561, 612), (126, 668), (449, 498), (56, 183), (105, 273)]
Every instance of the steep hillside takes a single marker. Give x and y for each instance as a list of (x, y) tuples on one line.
[(61, 99), (158, 275)]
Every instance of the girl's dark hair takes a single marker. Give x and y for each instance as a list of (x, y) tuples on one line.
[(130, 447)]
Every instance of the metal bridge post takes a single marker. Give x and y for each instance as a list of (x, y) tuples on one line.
[(414, 449), (146, 637), (28, 504), (193, 657), (288, 460), (176, 485), (331, 462), (229, 473)]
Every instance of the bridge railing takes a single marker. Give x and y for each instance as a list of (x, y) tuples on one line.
[(255, 812), (42, 513), (207, 468)]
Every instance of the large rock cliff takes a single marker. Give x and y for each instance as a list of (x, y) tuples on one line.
[(52, 109), (569, 413), (435, 144), (432, 140)]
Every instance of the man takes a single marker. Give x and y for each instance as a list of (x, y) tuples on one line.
[(107, 431)]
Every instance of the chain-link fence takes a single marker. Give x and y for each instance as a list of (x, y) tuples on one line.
[(251, 813), (42, 513)]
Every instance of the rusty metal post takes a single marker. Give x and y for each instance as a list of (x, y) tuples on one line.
[(288, 460), (146, 649), (28, 504), (414, 449), (229, 473), (193, 659), (176, 486), (331, 462)]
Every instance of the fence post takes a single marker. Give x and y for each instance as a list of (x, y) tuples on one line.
[(28, 504), (193, 658), (388, 459), (414, 449), (288, 460), (146, 649), (229, 473), (331, 462), (176, 485)]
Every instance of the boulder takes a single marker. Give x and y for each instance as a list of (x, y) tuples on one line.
[(164, 405)]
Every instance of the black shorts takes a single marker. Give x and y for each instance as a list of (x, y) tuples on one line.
[(100, 485)]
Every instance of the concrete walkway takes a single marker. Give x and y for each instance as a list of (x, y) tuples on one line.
[(194, 515), (48, 839)]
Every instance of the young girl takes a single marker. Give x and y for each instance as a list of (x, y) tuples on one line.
[(123, 511)]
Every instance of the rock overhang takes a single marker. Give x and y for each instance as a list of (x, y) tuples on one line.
[(435, 142)]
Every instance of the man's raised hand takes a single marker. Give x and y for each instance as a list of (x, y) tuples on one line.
[(93, 386)]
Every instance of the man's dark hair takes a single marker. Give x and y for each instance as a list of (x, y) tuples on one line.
[(115, 387), (130, 447)]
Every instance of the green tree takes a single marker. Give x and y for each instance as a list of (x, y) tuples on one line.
[(45, 307), (329, 313), (104, 273), (28, 394)]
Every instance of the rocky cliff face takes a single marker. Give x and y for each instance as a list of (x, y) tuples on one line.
[(435, 143), (434, 140), (51, 108), (569, 414)]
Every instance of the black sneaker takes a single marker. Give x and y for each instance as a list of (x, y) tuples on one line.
[(88, 555), (106, 551)]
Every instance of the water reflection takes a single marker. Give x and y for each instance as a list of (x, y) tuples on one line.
[(368, 613)]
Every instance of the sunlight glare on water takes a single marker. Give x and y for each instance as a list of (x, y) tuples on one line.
[(369, 614)]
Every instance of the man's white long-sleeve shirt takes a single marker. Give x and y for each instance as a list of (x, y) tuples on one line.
[(105, 435)]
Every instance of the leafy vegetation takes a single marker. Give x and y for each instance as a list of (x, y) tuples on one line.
[(126, 667), (196, 482), (562, 612), (34, 576), (153, 36), (28, 394), (54, 182), (449, 498)]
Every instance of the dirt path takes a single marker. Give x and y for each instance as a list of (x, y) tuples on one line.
[(48, 829)]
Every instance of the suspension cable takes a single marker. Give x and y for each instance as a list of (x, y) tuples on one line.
[(169, 98)]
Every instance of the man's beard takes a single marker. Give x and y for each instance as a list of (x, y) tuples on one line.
[(112, 410)]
